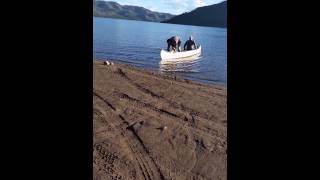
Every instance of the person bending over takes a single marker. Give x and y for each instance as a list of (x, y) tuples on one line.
[(174, 42)]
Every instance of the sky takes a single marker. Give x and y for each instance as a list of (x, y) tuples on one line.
[(169, 6)]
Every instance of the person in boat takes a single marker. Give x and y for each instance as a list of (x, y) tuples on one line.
[(174, 42), (190, 44)]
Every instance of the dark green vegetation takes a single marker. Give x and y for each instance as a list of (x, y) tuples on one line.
[(213, 15), (114, 10)]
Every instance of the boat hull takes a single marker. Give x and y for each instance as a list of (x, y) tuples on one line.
[(165, 55)]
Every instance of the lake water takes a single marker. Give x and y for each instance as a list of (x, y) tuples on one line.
[(139, 43)]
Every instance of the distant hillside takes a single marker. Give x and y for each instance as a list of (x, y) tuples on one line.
[(114, 10), (213, 15)]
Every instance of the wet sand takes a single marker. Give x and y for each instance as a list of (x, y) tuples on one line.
[(147, 126)]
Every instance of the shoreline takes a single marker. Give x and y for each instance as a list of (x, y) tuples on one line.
[(220, 85), (223, 28), (147, 125)]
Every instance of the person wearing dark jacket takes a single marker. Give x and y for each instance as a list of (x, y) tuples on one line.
[(190, 44), (174, 42)]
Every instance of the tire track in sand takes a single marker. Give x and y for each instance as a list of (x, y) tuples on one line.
[(147, 165), (147, 91), (149, 107)]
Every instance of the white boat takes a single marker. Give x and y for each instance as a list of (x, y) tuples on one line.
[(165, 55)]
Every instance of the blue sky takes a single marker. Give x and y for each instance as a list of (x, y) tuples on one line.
[(169, 6)]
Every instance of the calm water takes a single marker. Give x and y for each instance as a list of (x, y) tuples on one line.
[(139, 43)]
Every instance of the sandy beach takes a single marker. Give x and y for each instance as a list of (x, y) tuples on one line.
[(148, 126)]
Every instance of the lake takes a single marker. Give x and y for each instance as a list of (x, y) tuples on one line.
[(139, 43)]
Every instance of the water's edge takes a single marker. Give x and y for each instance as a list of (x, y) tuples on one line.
[(171, 75)]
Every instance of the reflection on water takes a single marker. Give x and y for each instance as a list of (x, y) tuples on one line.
[(187, 64)]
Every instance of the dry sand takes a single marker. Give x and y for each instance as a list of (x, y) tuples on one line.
[(148, 126)]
